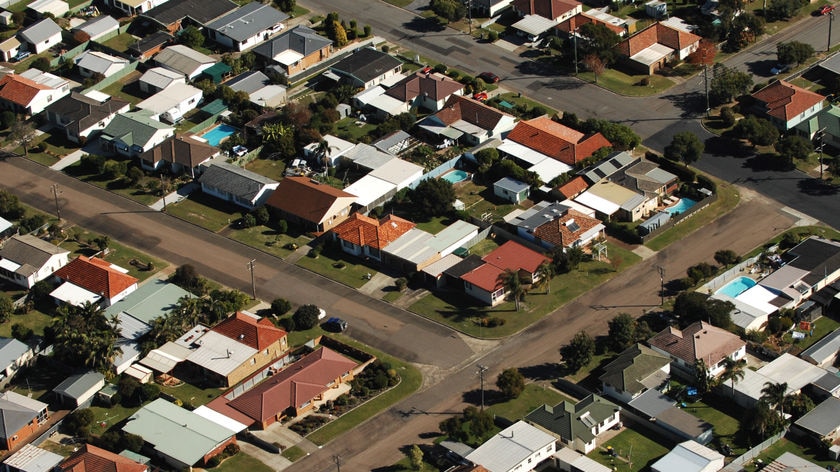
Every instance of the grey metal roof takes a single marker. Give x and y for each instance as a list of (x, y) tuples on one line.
[(300, 39), (30, 252), (823, 419), (16, 411), (829, 382), (99, 25), (134, 128), (823, 349), (688, 457), (388, 143), (33, 459), (40, 31), (151, 300), (366, 64), (200, 11), (513, 185), (652, 403), (234, 180), (96, 61), (10, 351), (248, 21), (77, 385), (832, 64), (182, 59), (248, 82)]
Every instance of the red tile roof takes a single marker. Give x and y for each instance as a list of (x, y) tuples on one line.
[(258, 334), (19, 90), (697, 341), (471, 111), (551, 9), (485, 277), (363, 230), (93, 459), (555, 140), (514, 256), (95, 275), (306, 199), (573, 187), (436, 86), (657, 33), (299, 383), (784, 101), (557, 231), (582, 18)]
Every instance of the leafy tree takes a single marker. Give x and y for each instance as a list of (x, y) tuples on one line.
[(340, 35), (704, 54), (599, 40), (102, 242), (7, 119), (782, 10), (727, 116), (280, 306), (622, 137), (42, 64), (545, 272), (286, 5), (511, 382), (7, 307), (727, 84), (451, 10), (578, 352), (86, 337), (21, 332), (415, 457), (726, 257), (797, 405), (793, 147), (758, 131), (690, 307), (192, 37), (433, 197), (22, 133), (134, 175), (595, 64), (509, 279), (78, 422), (306, 317), (187, 278), (702, 379), (686, 147), (10, 207), (622, 331), (794, 52)]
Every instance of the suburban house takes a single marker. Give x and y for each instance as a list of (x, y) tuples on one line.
[(82, 114), (657, 45), (577, 425), (490, 8), (671, 421), (133, 133), (425, 90), (468, 121), (519, 447), (41, 36), (22, 417), (150, 45), (552, 224), (26, 260), (31, 459), (316, 206), (260, 90), (511, 190), (363, 236), (647, 178), (365, 68), (92, 280), (567, 460), (172, 103), (295, 50), (416, 249), (237, 185), (90, 458), (247, 26), (9, 48), (822, 423), (790, 461), (91, 63), (177, 15), (233, 350), (542, 16), (134, 7), (824, 352), (180, 437), (394, 143), (56, 8), (698, 341), (336, 148), (181, 154), (552, 139), (77, 391), (619, 26), (634, 371), (610, 199), (158, 78), (689, 456), (608, 167), (31, 91), (181, 59), (787, 105), (303, 386), (96, 28), (484, 282), (570, 189), (797, 373), (14, 355)]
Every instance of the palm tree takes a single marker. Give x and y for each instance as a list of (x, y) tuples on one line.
[(775, 394), (323, 151), (509, 279), (545, 272), (733, 371), (701, 376)]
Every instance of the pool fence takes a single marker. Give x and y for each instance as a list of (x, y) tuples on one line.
[(677, 219), (738, 270)]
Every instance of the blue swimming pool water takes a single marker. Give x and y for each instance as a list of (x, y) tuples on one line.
[(737, 287), (217, 134), (681, 206), (455, 176)]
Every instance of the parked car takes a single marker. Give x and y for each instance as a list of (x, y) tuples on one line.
[(335, 324), (22, 55), (826, 9), (322, 313), (779, 68), (480, 96), (489, 77)]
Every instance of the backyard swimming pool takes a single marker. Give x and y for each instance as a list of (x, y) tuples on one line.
[(737, 287), (681, 207), (455, 176), (218, 134)]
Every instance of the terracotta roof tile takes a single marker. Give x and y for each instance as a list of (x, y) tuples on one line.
[(363, 230), (19, 90), (551, 9), (471, 111), (95, 275), (582, 18), (697, 341), (485, 277), (258, 334), (514, 256), (93, 459), (555, 140), (573, 187), (785, 101), (306, 199), (557, 231)]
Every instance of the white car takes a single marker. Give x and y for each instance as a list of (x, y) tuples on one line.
[(321, 313)]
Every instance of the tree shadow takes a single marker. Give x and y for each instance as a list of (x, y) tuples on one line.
[(724, 146), (491, 397), (692, 104), (544, 371), (424, 25), (817, 187)]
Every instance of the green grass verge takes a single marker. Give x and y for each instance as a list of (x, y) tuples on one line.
[(636, 451), (267, 239), (294, 453), (118, 186), (392, 296), (629, 85), (118, 254), (463, 312), (399, 3), (337, 265), (205, 211), (410, 381), (241, 462)]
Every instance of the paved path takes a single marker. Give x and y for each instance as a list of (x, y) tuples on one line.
[(176, 196)]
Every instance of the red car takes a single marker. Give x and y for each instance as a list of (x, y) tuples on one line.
[(480, 96), (426, 70), (489, 77), (826, 9)]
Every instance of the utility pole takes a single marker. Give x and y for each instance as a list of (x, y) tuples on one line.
[(469, 14), (481, 370), (706, 80), (337, 459), (661, 285), (55, 192), (820, 136), (574, 32), (253, 282), (163, 192), (830, 21)]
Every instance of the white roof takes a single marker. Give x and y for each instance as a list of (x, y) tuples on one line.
[(138, 371), (511, 447), (368, 189), (651, 54), (56, 7), (216, 352), (438, 267), (412, 246), (792, 370), (367, 156), (161, 77), (679, 24), (579, 461), (33, 459), (521, 152), (98, 61), (74, 295), (365, 96), (169, 98), (166, 357), (288, 57), (597, 203), (100, 97), (759, 297), (398, 172), (388, 104), (4, 224), (269, 96), (579, 207), (337, 145), (219, 419), (534, 24), (9, 265), (689, 456), (548, 169), (44, 78)]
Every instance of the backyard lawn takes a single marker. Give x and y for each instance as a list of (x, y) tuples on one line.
[(636, 451), (271, 168), (126, 88), (121, 42), (726, 426), (773, 452), (352, 129), (34, 320)]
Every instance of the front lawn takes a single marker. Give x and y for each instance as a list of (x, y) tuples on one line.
[(636, 451), (335, 264), (533, 397), (241, 462), (629, 85), (205, 211), (80, 242), (268, 240)]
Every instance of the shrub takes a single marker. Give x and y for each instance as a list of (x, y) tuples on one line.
[(282, 226), (280, 306), (401, 283), (306, 317), (492, 36), (727, 116)]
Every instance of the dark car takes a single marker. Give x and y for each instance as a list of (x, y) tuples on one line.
[(335, 324), (489, 77)]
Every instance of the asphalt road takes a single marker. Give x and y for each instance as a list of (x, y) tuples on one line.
[(371, 321)]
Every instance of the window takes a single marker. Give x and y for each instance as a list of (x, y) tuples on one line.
[(253, 361)]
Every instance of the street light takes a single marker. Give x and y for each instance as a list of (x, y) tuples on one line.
[(55, 192), (830, 21), (661, 285), (481, 370)]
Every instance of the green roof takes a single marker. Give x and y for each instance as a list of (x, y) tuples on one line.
[(134, 128), (217, 71), (215, 107), (153, 299), (634, 368)]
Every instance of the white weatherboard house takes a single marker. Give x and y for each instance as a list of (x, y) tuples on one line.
[(180, 58), (520, 447), (247, 26), (91, 63), (158, 78), (689, 456), (171, 103), (31, 91), (41, 36), (134, 7), (26, 260)]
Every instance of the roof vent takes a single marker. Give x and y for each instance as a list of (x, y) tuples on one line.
[(242, 336)]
